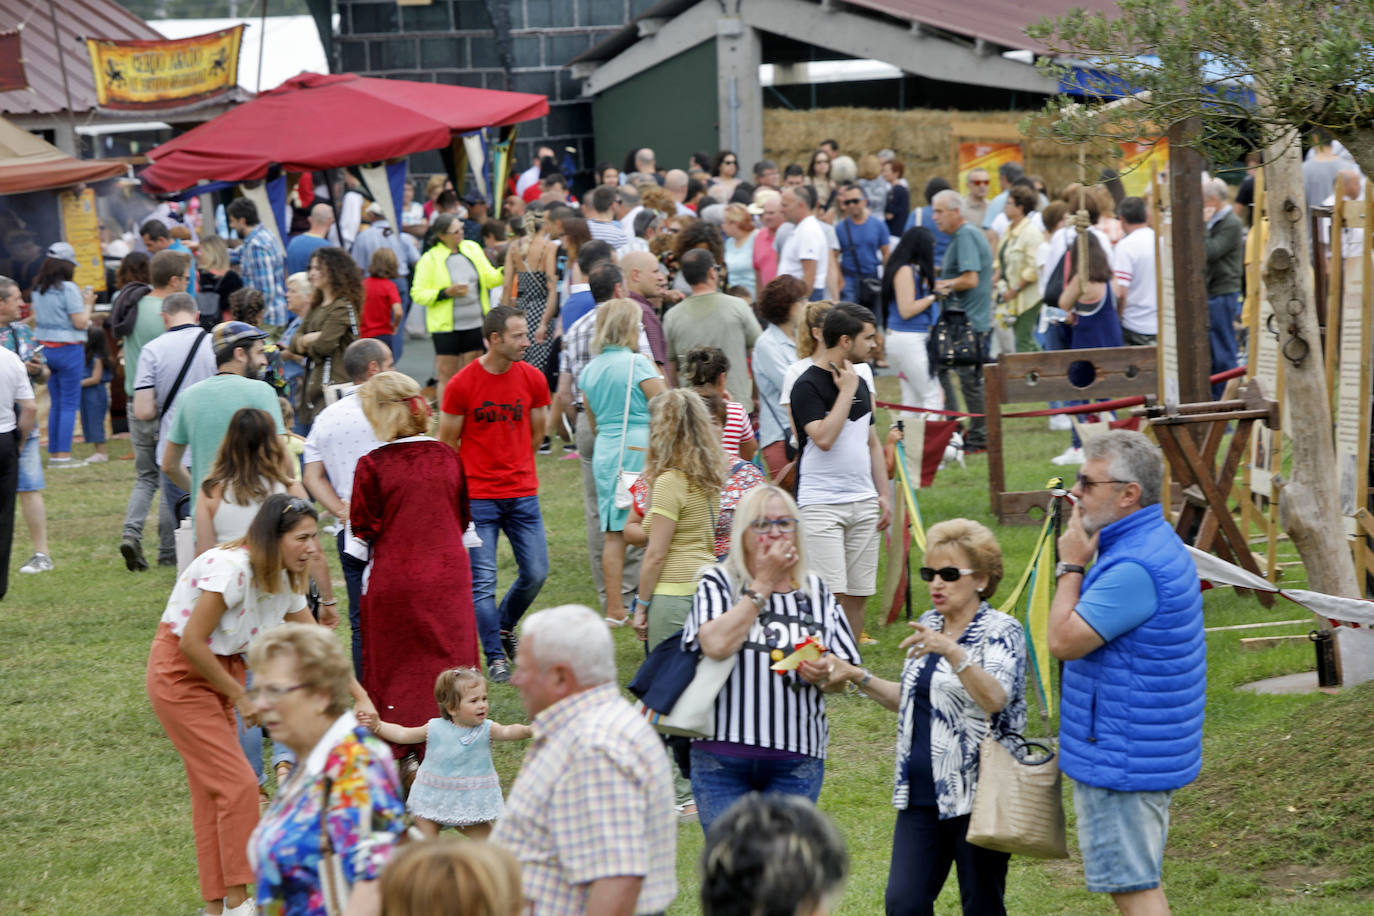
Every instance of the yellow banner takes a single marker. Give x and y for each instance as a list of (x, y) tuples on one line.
[(81, 229), (164, 74), (989, 157), (1136, 158)]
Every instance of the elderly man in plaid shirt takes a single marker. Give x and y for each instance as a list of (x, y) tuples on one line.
[(590, 816), (261, 259)]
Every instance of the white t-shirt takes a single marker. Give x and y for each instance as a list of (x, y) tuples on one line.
[(789, 378), (14, 383), (1352, 240), (1133, 264), (248, 612), (339, 437), (806, 243)]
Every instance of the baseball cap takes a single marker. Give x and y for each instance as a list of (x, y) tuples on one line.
[(230, 334), (61, 251), (473, 197)]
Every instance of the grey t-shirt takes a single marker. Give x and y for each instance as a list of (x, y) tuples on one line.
[(160, 363), (467, 310), (1319, 178)]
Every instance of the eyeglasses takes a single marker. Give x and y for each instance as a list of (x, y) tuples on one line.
[(785, 525), (271, 694), (946, 573), (1085, 483), (729, 162), (982, 184), (852, 200)]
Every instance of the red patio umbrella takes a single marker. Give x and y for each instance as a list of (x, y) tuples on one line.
[(314, 122)]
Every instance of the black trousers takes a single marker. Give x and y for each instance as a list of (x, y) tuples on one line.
[(923, 848), (9, 483)]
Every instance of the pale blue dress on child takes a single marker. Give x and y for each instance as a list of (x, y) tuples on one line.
[(456, 784)]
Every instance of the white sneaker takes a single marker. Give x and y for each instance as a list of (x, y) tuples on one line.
[(1071, 455), (39, 562), (1060, 421), (98, 458)]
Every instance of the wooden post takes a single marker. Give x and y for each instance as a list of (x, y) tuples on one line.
[(1190, 264)]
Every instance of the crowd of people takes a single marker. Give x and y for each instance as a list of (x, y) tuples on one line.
[(704, 342)]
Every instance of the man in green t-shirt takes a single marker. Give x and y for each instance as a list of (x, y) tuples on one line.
[(169, 272), (203, 412), (966, 283)]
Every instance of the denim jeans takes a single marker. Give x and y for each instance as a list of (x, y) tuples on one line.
[(397, 341), (250, 739), (1221, 310), (523, 524), (719, 779), (353, 582), (95, 404), (64, 389), (923, 848), (143, 436)]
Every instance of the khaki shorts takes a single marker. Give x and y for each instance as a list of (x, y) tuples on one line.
[(842, 545)]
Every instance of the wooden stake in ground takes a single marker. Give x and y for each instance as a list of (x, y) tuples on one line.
[(1309, 501)]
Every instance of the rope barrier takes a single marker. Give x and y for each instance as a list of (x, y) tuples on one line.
[(1094, 407)]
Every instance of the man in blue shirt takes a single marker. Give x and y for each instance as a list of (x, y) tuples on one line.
[(580, 300), (965, 283), (1135, 675), (300, 248), (863, 245)]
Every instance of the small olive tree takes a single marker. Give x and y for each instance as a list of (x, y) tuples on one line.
[(1278, 67)]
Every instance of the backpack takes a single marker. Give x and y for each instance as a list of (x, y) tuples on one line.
[(953, 340)]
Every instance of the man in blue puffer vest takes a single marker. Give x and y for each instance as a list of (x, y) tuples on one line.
[(1135, 673)]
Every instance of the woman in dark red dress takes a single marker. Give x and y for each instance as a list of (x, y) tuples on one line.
[(410, 506)]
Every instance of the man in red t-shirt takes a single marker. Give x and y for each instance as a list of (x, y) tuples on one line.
[(494, 413)]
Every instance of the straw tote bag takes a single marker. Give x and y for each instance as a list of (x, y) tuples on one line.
[(1018, 806)]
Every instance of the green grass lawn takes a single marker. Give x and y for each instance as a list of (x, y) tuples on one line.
[(94, 813)]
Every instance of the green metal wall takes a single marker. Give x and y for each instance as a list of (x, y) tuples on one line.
[(671, 108)]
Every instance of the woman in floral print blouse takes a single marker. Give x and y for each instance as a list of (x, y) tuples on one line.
[(320, 848), (965, 673)]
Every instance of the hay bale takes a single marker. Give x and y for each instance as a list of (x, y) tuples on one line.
[(921, 137)]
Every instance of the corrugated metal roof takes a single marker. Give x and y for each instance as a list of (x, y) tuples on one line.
[(1001, 22), (76, 21)]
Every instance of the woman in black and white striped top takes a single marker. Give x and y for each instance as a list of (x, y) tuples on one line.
[(771, 731)]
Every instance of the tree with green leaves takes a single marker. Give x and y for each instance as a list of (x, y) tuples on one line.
[(1277, 67)]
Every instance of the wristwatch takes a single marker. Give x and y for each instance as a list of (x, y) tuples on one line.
[(760, 602), (1062, 569)]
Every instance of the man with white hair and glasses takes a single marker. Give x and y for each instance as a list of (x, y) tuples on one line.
[(1129, 631), (590, 816)]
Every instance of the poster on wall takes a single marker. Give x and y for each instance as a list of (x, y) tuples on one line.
[(81, 229), (1139, 158), (988, 156), (142, 75)]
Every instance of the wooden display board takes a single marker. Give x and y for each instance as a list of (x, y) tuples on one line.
[(1030, 378)]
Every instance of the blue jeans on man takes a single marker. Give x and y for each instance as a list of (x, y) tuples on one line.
[(353, 581), (1222, 310), (519, 517)]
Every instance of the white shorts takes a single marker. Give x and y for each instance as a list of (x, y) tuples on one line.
[(842, 545)]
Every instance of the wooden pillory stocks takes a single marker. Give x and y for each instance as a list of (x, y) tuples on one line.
[(1055, 375), (1205, 518)]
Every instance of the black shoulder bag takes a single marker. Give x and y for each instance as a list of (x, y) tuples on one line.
[(953, 340)]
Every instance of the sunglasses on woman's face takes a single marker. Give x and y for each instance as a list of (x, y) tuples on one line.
[(946, 573)]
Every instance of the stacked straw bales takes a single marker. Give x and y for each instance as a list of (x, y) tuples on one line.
[(921, 138)]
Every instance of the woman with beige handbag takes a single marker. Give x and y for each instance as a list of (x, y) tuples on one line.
[(965, 673)]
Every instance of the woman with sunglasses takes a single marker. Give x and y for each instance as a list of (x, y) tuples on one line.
[(724, 175), (771, 732), (195, 680), (965, 672)]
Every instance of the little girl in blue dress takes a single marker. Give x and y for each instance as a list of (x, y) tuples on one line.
[(456, 785)]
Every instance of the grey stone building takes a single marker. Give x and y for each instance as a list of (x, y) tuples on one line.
[(521, 45)]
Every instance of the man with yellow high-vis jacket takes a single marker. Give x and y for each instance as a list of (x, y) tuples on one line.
[(453, 282)]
